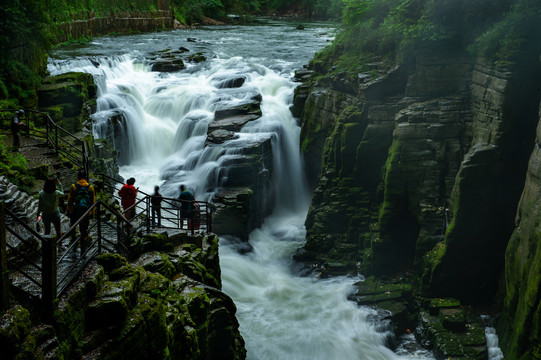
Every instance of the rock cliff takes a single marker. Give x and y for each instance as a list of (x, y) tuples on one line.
[(420, 167)]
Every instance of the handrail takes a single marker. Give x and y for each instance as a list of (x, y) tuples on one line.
[(58, 142), (52, 286)]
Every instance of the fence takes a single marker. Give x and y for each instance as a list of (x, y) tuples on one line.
[(46, 271), (41, 125), (170, 210)]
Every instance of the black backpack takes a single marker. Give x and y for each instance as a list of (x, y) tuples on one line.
[(82, 199)]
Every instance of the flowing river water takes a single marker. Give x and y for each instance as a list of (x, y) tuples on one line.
[(282, 314)]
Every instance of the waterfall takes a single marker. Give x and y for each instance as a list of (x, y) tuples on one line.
[(161, 121)]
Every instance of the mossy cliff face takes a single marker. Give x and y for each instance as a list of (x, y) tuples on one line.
[(422, 165), (69, 98), (167, 304), (389, 157), (520, 323)]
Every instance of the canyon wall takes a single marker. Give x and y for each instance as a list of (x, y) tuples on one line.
[(422, 169)]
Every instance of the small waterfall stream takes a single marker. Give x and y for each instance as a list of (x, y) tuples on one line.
[(165, 118)]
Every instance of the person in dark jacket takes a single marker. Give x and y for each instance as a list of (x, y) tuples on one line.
[(186, 206), (156, 202), (128, 195), (16, 125)]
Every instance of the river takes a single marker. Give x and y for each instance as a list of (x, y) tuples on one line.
[(282, 315)]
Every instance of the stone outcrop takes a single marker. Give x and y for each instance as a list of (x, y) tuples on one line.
[(166, 304), (246, 197), (69, 98), (488, 184)]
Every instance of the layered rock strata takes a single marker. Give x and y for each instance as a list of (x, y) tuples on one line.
[(422, 168), (421, 165)]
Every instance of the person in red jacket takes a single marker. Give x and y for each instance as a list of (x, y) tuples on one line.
[(128, 195)]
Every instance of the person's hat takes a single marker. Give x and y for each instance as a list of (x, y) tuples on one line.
[(21, 112)]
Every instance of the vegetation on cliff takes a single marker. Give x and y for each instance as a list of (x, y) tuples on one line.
[(497, 31)]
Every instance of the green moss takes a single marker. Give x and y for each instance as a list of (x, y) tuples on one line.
[(111, 261)]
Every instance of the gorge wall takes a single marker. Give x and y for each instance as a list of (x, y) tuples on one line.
[(422, 169)]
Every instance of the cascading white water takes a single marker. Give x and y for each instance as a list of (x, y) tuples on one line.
[(281, 315)]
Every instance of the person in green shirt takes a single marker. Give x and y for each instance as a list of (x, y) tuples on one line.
[(48, 205)]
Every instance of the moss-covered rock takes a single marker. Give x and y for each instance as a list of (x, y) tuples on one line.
[(14, 329), (453, 333), (68, 98)]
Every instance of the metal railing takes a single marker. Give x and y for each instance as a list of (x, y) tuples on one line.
[(47, 270), (170, 210), (51, 272), (41, 125)]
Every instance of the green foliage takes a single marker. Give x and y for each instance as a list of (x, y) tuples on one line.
[(18, 84), (516, 32), (313, 8), (13, 165), (497, 30)]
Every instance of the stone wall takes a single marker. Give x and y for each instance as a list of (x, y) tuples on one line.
[(116, 22), (488, 183)]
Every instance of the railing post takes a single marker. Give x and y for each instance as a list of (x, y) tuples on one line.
[(4, 280), (209, 218), (49, 274), (85, 157), (56, 140), (179, 218), (148, 213), (47, 125), (98, 219)]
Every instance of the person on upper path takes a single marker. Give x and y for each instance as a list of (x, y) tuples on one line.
[(156, 202), (80, 198), (48, 205), (186, 206), (128, 195), (16, 125)]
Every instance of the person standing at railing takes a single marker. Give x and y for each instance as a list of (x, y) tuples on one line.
[(128, 195), (16, 125), (156, 202), (81, 197), (186, 206), (48, 205)]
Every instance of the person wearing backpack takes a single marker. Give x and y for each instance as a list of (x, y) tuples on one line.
[(81, 197), (128, 195)]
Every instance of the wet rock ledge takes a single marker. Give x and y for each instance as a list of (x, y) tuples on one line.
[(165, 304)]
